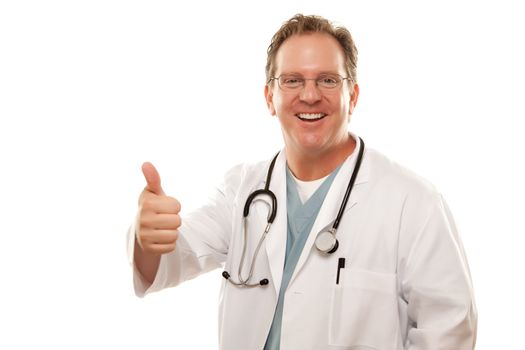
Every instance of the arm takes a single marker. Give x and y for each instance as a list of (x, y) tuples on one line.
[(200, 241), (147, 263), (435, 279), (155, 231)]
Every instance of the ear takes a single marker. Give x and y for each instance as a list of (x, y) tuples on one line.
[(268, 95), (354, 95)]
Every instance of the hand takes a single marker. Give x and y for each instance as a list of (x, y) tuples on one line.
[(158, 216)]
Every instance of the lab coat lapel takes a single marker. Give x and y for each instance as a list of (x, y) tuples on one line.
[(275, 241), (332, 203)]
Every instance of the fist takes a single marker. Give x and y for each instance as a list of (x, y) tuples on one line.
[(159, 218)]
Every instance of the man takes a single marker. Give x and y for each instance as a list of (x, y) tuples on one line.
[(328, 246)]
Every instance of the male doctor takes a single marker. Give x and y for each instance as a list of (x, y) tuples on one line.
[(360, 253)]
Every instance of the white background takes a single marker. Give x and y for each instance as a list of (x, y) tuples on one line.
[(91, 89)]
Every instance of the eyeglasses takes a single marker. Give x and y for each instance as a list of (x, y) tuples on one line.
[(293, 82)]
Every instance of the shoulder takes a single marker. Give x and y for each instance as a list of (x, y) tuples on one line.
[(246, 174), (390, 176), (412, 198)]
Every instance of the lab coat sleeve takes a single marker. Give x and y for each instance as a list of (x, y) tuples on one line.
[(435, 278), (202, 244)]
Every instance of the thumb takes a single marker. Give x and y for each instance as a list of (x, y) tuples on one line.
[(152, 179)]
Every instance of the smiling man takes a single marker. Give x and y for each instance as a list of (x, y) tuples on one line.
[(329, 245), (313, 94)]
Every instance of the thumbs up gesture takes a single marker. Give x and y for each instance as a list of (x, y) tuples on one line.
[(158, 216)]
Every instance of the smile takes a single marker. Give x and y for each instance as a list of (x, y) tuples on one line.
[(310, 116)]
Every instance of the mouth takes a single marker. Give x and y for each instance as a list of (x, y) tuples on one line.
[(310, 117)]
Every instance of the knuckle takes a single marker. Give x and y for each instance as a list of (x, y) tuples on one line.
[(177, 221), (174, 235), (174, 204), (157, 246), (169, 247), (163, 249), (149, 220), (144, 235), (170, 222), (145, 220)]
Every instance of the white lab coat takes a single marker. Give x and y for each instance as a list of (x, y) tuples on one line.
[(406, 284)]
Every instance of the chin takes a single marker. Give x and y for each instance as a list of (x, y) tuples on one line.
[(311, 145)]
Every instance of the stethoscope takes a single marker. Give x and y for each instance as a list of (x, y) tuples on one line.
[(325, 242)]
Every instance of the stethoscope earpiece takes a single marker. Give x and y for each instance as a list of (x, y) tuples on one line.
[(262, 282)]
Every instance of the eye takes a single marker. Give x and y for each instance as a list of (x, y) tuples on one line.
[(328, 81), (291, 81)]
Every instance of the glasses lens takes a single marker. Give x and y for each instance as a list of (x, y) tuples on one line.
[(328, 81), (290, 82)]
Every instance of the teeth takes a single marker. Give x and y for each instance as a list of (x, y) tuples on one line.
[(311, 116)]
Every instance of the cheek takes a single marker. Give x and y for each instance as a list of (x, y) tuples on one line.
[(277, 101), (336, 105), (274, 103), (278, 105), (347, 106)]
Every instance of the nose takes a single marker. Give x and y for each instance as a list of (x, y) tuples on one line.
[(310, 92)]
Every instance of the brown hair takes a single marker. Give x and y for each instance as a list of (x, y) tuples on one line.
[(301, 24)]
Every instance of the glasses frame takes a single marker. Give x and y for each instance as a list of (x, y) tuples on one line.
[(302, 86)]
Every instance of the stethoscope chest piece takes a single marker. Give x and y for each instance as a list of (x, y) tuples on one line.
[(326, 242)]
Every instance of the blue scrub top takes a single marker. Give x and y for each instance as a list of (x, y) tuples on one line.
[(301, 218)]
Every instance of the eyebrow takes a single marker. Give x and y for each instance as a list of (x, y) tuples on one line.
[(321, 73)]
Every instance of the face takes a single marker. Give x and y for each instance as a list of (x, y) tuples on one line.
[(310, 55)]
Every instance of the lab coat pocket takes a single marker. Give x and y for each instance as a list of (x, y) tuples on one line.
[(363, 312)]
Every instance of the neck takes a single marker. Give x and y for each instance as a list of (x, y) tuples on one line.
[(308, 166)]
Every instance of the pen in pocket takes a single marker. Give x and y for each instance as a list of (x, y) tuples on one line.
[(340, 265)]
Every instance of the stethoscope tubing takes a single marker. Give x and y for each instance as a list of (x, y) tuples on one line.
[(350, 184), (271, 216)]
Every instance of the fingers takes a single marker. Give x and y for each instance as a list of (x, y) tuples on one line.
[(161, 221), (158, 215), (152, 179), (158, 241), (159, 204), (159, 249), (161, 237)]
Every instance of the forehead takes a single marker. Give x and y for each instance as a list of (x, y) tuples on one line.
[(310, 53)]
